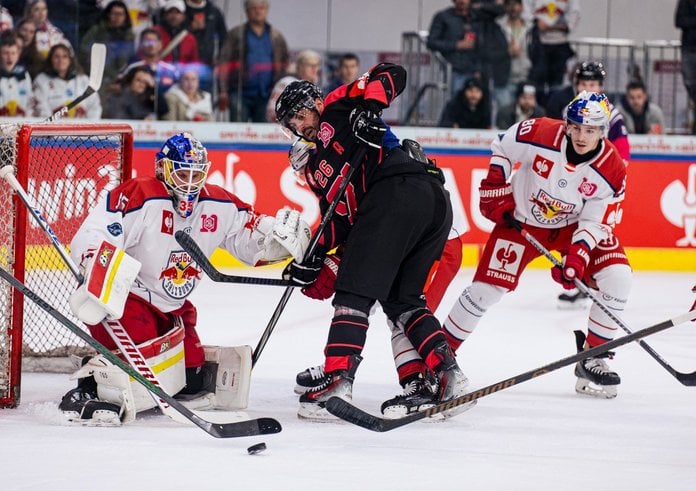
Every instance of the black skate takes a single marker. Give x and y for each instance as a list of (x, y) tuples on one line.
[(199, 393), (452, 381), (419, 394), (82, 406), (310, 378), (573, 300), (594, 376), (338, 383)]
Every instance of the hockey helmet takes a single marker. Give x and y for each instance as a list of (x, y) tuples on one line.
[(182, 164), (589, 108), (590, 70), (298, 95)]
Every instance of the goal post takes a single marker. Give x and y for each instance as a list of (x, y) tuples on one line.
[(65, 169)]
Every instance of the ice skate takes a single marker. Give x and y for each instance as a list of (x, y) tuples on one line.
[(82, 406), (573, 300), (310, 378), (419, 394), (595, 378), (452, 381), (338, 383)]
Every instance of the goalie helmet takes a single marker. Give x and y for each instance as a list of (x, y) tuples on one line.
[(298, 95), (182, 164), (299, 155), (589, 108)]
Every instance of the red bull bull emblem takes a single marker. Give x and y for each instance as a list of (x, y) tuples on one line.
[(180, 275)]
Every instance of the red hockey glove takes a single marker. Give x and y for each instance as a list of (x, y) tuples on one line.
[(496, 200), (323, 288), (574, 264)]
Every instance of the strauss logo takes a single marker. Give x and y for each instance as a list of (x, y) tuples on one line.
[(678, 205)]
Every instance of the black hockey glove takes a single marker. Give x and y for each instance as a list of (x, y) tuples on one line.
[(306, 273), (367, 127)]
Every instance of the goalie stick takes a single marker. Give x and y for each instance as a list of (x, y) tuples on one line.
[(688, 379), (348, 412), (260, 426), (357, 156), (190, 246), (96, 72), (170, 410)]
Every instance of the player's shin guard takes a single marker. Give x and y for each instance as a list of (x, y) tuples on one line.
[(466, 312)]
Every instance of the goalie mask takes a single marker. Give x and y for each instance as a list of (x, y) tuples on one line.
[(182, 164), (297, 96), (299, 155)]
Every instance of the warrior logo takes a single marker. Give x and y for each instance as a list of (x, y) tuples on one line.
[(549, 210), (180, 275), (326, 133), (587, 188)]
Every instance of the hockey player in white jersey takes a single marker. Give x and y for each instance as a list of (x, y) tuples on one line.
[(141, 217), (566, 193)]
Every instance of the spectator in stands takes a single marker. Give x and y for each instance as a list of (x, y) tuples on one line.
[(172, 23), (552, 21), (469, 108), (348, 70), (29, 56), (307, 67), (453, 33), (59, 83), (142, 14), (165, 74), (137, 98), (15, 82), (524, 107), (75, 17), (641, 116), (206, 22), (115, 31), (186, 101), (685, 19), (495, 57), (516, 29), (254, 57), (6, 21), (47, 34)]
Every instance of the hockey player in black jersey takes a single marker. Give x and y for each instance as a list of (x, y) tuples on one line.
[(393, 221)]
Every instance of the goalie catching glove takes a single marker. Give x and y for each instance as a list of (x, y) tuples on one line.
[(108, 275), (574, 264)]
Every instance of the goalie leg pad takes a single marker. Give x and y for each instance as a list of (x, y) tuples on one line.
[(233, 375)]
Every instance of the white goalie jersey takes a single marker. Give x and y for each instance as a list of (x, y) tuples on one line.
[(551, 193), (139, 217)]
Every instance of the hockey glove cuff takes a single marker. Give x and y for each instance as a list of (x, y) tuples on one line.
[(306, 273), (496, 200), (323, 288), (573, 266), (367, 127)]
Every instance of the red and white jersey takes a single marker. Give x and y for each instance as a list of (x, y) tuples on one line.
[(551, 193), (15, 93), (52, 93), (139, 217)]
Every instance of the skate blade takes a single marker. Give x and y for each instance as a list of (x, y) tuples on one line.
[(587, 388), (458, 410), (396, 412), (98, 419), (317, 413)]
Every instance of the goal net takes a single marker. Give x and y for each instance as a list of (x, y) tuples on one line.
[(65, 169)]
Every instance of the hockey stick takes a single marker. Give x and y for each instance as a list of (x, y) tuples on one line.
[(176, 41), (190, 246), (7, 172), (346, 411), (96, 72), (688, 379), (260, 426), (356, 157)]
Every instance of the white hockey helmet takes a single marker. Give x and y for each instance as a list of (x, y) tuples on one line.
[(589, 108)]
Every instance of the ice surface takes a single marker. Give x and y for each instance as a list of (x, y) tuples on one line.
[(538, 435)]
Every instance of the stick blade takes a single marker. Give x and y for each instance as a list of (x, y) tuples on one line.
[(97, 63)]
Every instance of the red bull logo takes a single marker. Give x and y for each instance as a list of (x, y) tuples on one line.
[(179, 277)]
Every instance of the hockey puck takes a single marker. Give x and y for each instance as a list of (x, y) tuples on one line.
[(258, 448)]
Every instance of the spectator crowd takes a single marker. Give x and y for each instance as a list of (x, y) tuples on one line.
[(177, 60)]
